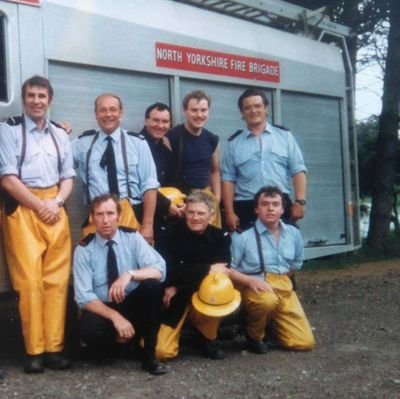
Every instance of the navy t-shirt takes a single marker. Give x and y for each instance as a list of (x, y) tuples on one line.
[(196, 156)]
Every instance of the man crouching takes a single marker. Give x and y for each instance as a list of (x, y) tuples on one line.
[(263, 257), (117, 279)]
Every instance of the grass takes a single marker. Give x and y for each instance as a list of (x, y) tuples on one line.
[(363, 255)]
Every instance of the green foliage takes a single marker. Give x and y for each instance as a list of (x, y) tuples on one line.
[(367, 134)]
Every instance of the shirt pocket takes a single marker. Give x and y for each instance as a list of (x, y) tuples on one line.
[(132, 160), (32, 167), (280, 156), (248, 163), (52, 154), (289, 253)]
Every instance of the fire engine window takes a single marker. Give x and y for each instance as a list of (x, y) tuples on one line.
[(3, 77)]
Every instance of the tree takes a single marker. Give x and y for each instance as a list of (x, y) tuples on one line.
[(387, 145)]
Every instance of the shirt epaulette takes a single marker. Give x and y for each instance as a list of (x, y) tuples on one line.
[(14, 120), (86, 240), (138, 135), (281, 127), (234, 135), (87, 133), (127, 229)]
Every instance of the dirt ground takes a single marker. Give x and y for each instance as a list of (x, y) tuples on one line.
[(355, 314)]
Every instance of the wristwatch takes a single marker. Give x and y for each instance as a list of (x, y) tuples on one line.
[(302, 202), (132, 273), (60, 201)]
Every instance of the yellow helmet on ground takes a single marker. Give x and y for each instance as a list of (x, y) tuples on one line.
[(173, 194), (216, 296)]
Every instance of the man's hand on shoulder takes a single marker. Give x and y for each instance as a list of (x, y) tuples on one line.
[(66, 126)]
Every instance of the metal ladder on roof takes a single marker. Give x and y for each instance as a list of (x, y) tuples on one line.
[(275, 13)]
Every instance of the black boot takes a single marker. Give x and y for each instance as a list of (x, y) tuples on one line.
[(152, 366), (34, 364), (211, 350)]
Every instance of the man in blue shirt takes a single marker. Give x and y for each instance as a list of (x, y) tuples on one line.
[(260, 155), (117, 280), (263, 257), (135, 179), (37, 173)]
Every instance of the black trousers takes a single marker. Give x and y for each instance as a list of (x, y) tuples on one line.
[(142, 307), (247, 216)]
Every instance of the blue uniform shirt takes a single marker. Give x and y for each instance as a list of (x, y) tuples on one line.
[(270, 159), (90, 264), (141, 169), (40, 166), (279, 258)]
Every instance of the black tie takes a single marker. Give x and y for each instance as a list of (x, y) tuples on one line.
[(112, 268), (108, 160)]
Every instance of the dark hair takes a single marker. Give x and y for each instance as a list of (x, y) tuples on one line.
[(40, 81), (197, 95), (104, 198), (158, 107), (107, 95), (251, 93), (269, 191)]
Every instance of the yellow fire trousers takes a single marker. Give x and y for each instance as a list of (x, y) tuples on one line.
[(290, 325), (39, 261), (168, 337), (127, 219)]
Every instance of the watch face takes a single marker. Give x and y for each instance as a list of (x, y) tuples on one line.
[(301, 201)]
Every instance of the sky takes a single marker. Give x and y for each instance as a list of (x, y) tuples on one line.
[(369, 80), (368, 92)]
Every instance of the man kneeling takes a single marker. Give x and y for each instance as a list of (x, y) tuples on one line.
[(193, 248), (117, 279), (262, 259)]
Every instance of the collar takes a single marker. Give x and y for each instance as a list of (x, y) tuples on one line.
[(186, 131), (115, 135), (262, 228), (31, 125), (249, 133), (103, 241)]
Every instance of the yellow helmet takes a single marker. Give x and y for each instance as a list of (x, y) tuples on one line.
[(173, 194), (216, 296)]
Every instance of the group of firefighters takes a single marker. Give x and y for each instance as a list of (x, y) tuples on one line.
[(156, 251)]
